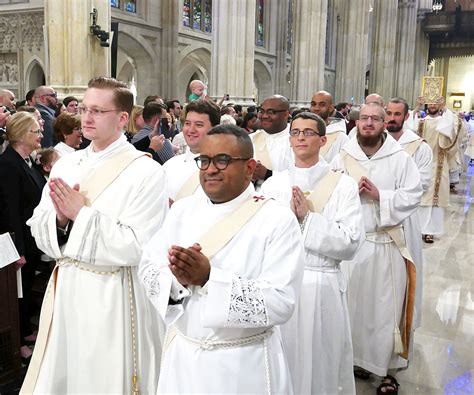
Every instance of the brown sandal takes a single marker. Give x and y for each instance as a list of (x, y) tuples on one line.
[(388, 387), (428, 239)]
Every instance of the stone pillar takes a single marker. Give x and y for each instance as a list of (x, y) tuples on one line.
[(422, 46), (307, 55), (74, 55), (352, 51), (233, 46), (405, 56), (382, 69), (169, 47), (281, 84)]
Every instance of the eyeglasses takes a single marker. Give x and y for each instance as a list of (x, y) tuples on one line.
[(306, 132), (220, 161), (38, 131), (95, 112), (375, 118), (54, 94), (270, 111)]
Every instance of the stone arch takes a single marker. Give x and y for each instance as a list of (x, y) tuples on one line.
[(34, 75), (263, 81), (196, 63), (135, 62)]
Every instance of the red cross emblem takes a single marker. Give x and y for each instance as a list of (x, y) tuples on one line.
[(257, 198)]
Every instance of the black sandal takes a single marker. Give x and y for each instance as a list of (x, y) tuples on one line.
[(390, 388), (362, 374)]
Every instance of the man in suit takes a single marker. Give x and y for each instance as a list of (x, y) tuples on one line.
[(46, 101)]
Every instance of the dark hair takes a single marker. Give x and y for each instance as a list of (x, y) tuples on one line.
[(27, 109), (399, 100), (205, 106), (249, 116), (243, 139), (237, 108), (123, 96), (20, 103), (69, 99), (151, 110), (320, 124), (170, 104), (340, 106), (251, 109), (226, 109), (299, 111), (30, 94), (150, 99), (65, 124)]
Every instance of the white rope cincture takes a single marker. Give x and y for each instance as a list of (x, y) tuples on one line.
[(135, 385)]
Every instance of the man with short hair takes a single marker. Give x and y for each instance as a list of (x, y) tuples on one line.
[(396, 114), (224, 269), (271, 146), (381, 285), (327, 205), (46, 100), (149, 139), (181, 172), (97, 331), (342, 110), (322, 105)]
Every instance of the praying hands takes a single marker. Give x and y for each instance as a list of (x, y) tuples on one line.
[(67, 201)]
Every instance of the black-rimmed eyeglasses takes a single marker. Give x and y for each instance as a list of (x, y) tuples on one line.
[(220, 161), (270, 111)]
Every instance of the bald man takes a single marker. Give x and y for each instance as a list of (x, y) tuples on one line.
[(372, 98), (322, 105), (7, 99)]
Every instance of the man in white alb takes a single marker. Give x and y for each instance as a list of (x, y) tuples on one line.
[(181, 171), (381, 287), (98, 332), (223, 271), (318, 338)]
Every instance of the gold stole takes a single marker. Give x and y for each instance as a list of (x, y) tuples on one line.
[(321, 194), (91, 188), (189, 187), (261, 149), (396, 233), (330, 140), (412, 146)]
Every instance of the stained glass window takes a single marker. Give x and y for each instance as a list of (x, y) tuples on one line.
[(187, 13), (115, 3), (131, 6), (260, 39), (197, 13), (208, 16)]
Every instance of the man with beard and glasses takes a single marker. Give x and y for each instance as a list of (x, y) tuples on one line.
[(46, 100), (439, 129), (322, 105), (382, 270)]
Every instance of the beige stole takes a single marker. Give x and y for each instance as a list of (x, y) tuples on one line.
[(320, 195), (330, 140), (189, 187), (412, 146), (396, 233), (91, 188), (261, 149)]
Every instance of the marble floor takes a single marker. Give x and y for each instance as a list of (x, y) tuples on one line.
[(443, 360)]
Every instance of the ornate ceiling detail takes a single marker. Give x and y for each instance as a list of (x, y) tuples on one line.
[(21, 31)]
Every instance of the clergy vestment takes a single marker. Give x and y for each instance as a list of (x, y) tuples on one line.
[(179, 170), (422, 155), (440, 134), (377, 284), (221, 338), (98, 300), (63, 148), (318, 338), (273, 150), (336, 138)]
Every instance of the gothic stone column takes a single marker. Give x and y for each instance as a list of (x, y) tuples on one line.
[(233, 46), (74, 55), (352, 51), (382, 70), (309, 40), (169, 47)]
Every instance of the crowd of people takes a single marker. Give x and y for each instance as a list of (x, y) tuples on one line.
[(215, 248)]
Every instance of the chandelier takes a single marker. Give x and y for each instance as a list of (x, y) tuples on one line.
[(437, 6)]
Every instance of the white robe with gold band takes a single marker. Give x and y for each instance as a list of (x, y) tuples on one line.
[(275, 147), (378, 280), (253, 286), (336, 138), (89, 349), (318, 337)]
